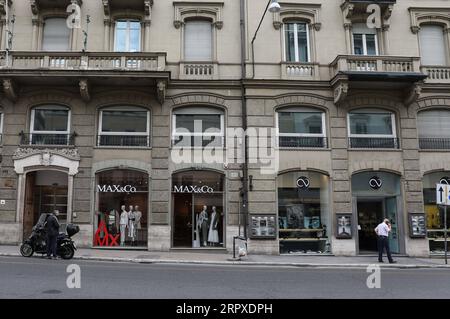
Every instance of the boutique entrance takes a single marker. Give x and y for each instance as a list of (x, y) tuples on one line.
[(376, 196), (198, 209), (45, 192)]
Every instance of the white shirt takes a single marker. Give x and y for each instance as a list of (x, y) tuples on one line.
[(382, 229)]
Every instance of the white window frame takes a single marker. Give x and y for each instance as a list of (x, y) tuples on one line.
[(176, 134), (69, 40), (123, 109), (297, 58), (394, 129), (364, 39), (127, 35), (49, 107)]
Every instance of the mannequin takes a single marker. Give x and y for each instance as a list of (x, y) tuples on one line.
[(123, 224), (131, 224), (202, 225), (213, 236), (112, 221), (137, 221)]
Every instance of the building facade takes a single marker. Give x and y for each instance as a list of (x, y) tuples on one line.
[(98, 98)]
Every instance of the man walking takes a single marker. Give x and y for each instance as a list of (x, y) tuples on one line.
[(52, 230), (382, 231)]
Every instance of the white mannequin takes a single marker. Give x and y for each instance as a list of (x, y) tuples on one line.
[(131, 220), (202, 225), (213, 236), (137, 221), (123, 224)]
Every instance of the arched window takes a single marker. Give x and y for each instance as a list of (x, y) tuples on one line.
[(372, 128), (56, 35), (301, 127), (434, 129), (50, 125), (127, 126), (198, 127)]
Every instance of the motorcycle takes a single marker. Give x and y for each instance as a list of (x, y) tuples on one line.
[(36, 242)]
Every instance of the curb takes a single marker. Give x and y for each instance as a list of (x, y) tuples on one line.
[(248, 263)]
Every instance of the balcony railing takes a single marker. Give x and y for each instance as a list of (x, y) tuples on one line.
[(198, 70), (47, 139), (123, 140), (301, 71), (302, 141), (373, 142), (128, 61), (437, 74), (431, 143), (362, 63)]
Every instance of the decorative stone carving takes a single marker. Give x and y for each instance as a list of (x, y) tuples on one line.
[(3, 4), (208, 10), (106, 7), (84, 90), (46, 159), (69, 153), (421, 15), (304, 12), (340, 92), (34, 7), (161, 91), (9, 89), (413, 93)]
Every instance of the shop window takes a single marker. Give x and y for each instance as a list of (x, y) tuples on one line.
[(127, 36), (303, 212), (365, 40), (301, 127), (198, 127), (56, 35), (198, 209), (198, 41), (50, 125), (372, 128), (434, 213), (432, 45), (297, 41), (124, 126), (121, 208), (434, 129)]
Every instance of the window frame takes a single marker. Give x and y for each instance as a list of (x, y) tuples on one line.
[(123, 109), (221, 134), (50, 107), (445, 44), (212, 44), (42, 33), (296, 48), (127, 35), (371, 111), (364, 40), (324, 131)]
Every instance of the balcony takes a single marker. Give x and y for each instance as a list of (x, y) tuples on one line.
[(397, 73), (299, 71), (437, 74), (123, 140), (46, 139), (302, 142), (431, 143), (373, 142)]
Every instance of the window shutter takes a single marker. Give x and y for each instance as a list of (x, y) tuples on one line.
[(198, 41), (432, 45), (434, 124), (56, 35)]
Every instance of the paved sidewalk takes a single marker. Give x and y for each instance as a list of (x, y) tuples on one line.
[(223, 258)]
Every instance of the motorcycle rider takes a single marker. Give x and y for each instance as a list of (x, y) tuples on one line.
[(52, 230)]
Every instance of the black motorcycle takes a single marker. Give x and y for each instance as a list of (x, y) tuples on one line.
[(36, 243)]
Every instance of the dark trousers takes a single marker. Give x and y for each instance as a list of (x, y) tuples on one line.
[(383, 243), (51, 245)]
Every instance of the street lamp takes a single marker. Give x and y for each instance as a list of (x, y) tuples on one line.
[(272, 6)]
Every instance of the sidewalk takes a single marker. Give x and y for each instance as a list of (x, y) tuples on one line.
[(222, 258)]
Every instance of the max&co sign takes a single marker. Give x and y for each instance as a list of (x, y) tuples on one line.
[(116, 189), (193, 189)]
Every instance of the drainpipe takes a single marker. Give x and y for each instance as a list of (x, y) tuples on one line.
[(244, 190)]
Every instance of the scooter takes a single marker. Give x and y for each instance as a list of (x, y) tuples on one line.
[(36, 242)]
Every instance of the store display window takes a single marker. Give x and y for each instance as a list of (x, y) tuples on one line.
[(303, 212), (198, 209), (434, 214), (121, 208)]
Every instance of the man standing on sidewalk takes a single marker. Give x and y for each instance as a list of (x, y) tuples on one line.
[(52, 230), (382, 231)]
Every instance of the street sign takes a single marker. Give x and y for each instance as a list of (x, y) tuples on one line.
[(442, 194)]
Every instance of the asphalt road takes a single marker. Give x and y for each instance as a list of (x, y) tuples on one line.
[(41, 278)]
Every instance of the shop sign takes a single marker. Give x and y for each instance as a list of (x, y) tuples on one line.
[(193, 189), (375, 182), (116, 189), (303, 182)]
